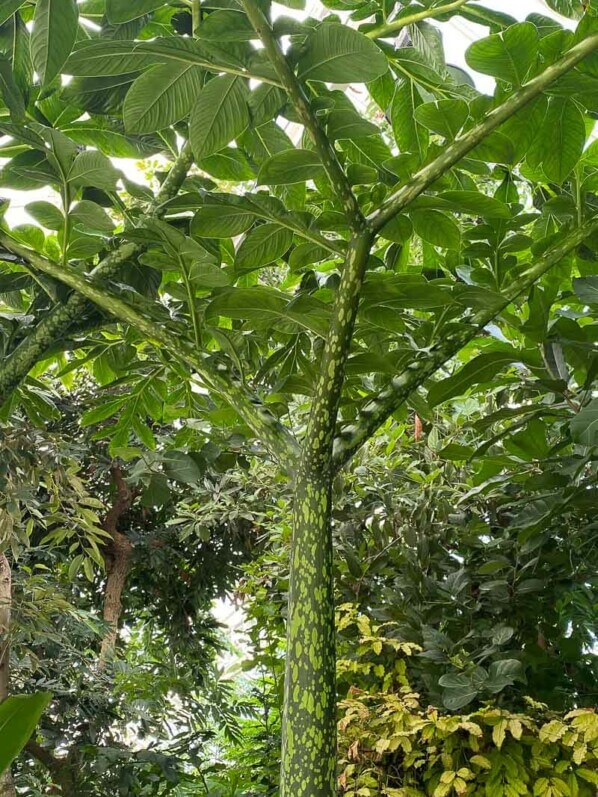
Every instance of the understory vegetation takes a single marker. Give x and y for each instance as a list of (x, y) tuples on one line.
[(298, 399)]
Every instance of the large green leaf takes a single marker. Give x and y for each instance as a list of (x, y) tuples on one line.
[(221, 221), (436, 228), (55, 25), (481, 369), (338, 54), (98, 57), (161, 97), (409, 134), (119, 11), (568, 8), (91, 168), (226, 25), (508, 55), (11, 93), (219, 115), (475, 203), (18, 717), (8, 8), (586, 289), (263, 245), (290, 166), (445, 117), (584, 425), (562, 139)]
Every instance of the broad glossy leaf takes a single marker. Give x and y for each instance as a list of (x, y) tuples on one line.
[(46, 214), (339, 54), (8, 8), (475, 203), (97, 57), (90, 217), (436, 228), (409, 134), (161, 97), (93, 169), (55, 24), (11, 94), (562, 138), (229, 163), (445, 117), (349, 124), (507, 56), (586, 289), (265, 102), (263, 245), (290, 166), (119, 11), (219, 115), (568, 8), (181, 467), (481, 369), (226, 25), (584, 425), (19, 715), (221, 221)]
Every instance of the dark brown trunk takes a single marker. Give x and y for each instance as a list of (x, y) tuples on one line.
[(118, 564), (7, 788)]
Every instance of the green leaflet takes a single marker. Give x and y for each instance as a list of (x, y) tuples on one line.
[(445, 117), (338, 54), (290, 166), (10, 91), (19, 715), (584, 425), (348, 124), (481, 369), (161, 96), (562, 138), (119, 11), (220, 221), (586, 289), (219, 115), (475, 203), (508, 56), (98, 57), (436, 228), (93, 169), (55, 26), (226, 25), (8, 8), (263, 245)]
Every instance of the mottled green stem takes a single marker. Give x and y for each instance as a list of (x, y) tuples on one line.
[(309, 729), (379, 409), (308, 118), (57, 322), (275, 436), (391, 28), (465, 143)]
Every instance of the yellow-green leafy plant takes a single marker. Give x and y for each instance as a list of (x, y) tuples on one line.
[(392, 745)]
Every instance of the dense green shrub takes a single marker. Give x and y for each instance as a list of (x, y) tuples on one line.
[(392, 745)]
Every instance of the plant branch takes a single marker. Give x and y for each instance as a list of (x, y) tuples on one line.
[(424, 178), (379, 409), (276, 437), (390, 28), (56, 323), (300, 100)]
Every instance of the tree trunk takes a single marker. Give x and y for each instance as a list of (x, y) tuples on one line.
[(7, 788), (309, 727), (117, 571), (118, 564)]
